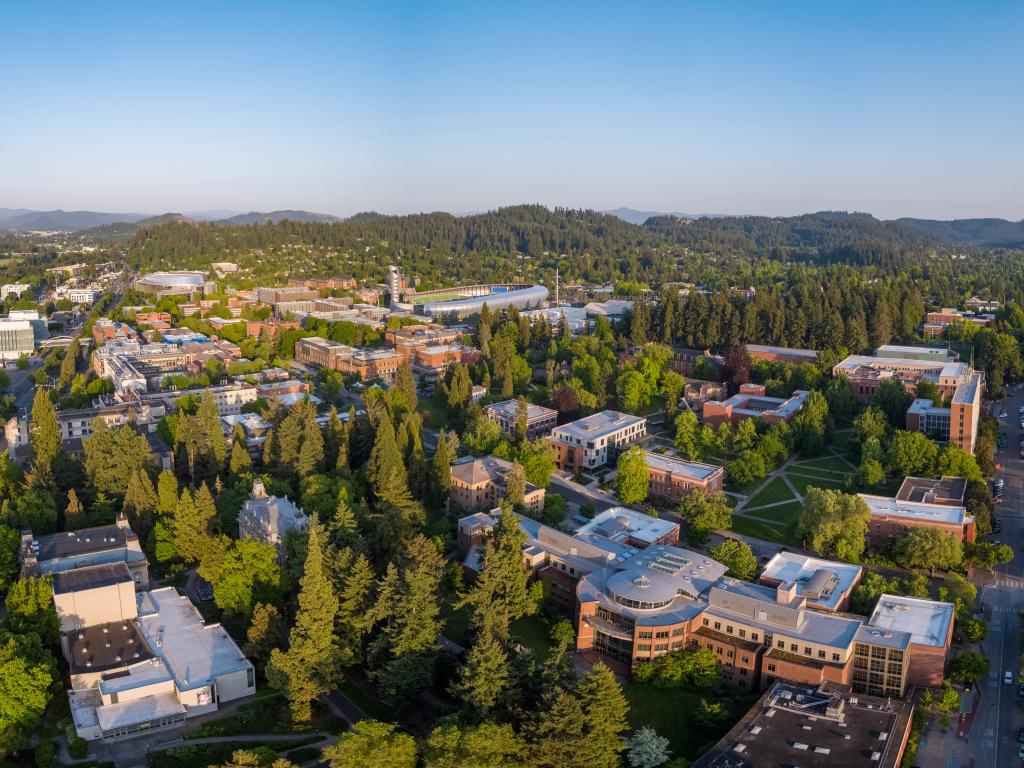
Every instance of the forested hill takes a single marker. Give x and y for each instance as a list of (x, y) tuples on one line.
[(539, 232), (854, 238), (991, 233)]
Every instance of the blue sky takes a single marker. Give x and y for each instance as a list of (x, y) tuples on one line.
[(899, 109)]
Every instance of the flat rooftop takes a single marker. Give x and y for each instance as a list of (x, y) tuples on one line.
[(692, 469), (967, 392), (102, 647), (823, 582), (945, 490), (927, 621), (194, 653), (810, 354), (922, 405), (886, 506), (823, 727), (509, 409), (81, 542), (621, 523), (92, 577), (598, 425), (915, 353)]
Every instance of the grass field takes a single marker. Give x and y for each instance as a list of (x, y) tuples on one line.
[(535, 633), (757, 529), (776, 490), (669, 711), (782, 513), (803, 482)]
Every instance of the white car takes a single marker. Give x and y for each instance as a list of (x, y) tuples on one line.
[(1008, 677)]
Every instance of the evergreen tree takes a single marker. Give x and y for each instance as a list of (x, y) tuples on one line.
[(208, 418), (311, 452), (332, 434), (405, 385), (558, 737), (74, 514), (522, 420), (44, 436), (370, 742), (355, 618), (241, 462), (483, 677), (386, 471), (483, 746), (605, 709), (166, 494), (140, 503), (444, 456), (515, 484), (309, 667), (501, 594), (408, 607), (344, 528), (267, 631), (191, 524)]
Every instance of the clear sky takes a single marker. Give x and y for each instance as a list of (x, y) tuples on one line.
[(895, 108)]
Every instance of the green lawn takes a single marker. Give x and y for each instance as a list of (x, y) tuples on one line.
[(669, 711), (802, 483), (829, 463), (782, 513), (757, 529), (535, 633), (776, 490)]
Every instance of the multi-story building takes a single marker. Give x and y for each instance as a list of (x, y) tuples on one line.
[(974, 304), (827, 585), (76, 424), (367, 364), (105, 330), (431, 363), (595, 440), (897, 516), (414, 336), (270, 327), (17, 338), (817, 726), (135, 368), (229, 398), (782, 354), (867, 373), (481, 484), (698, 392), (672, 478), (324, 283), (274, 296), (73, 550), (935, 323), (930, 626), (539, 420), (957, 424), (81, 295), (141, 661), (752, 403), (270, 519), (633, 601), (13, 289)]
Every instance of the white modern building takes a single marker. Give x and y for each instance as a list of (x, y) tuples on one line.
[(13, 289), (595, 440)]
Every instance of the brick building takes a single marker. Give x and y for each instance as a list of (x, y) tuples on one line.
[(672, 478), (366, 364), (752, 403), (480, 484), (896, 517)]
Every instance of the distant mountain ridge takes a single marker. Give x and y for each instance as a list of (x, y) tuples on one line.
[(993, 233), (633, 216), (255, 217), (69, 221)]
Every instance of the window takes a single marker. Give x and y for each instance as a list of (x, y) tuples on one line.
[(661, 633), (807, 651), (718, 625), (644, 648), (753, 636), (782, 644), (835, 657), (661, 646), (821, 654), (728, 628), (794, 648), (743, 633), (679, 630), (706, 622), (771, 667), (645, 634)]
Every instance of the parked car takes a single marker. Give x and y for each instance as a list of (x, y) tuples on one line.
[(1008, 677)]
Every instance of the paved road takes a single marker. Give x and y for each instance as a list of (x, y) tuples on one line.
[(994, 734), (577, 494)]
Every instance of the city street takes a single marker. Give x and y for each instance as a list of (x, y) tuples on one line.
[(994, 733)]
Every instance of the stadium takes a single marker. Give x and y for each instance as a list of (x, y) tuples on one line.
[(175, 284), (467, 300)]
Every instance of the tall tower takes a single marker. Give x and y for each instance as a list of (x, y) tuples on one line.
[(394, 283)]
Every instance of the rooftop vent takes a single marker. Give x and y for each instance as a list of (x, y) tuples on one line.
[(642, 581)]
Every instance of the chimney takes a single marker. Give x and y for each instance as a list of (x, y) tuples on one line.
[(122, 520)]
